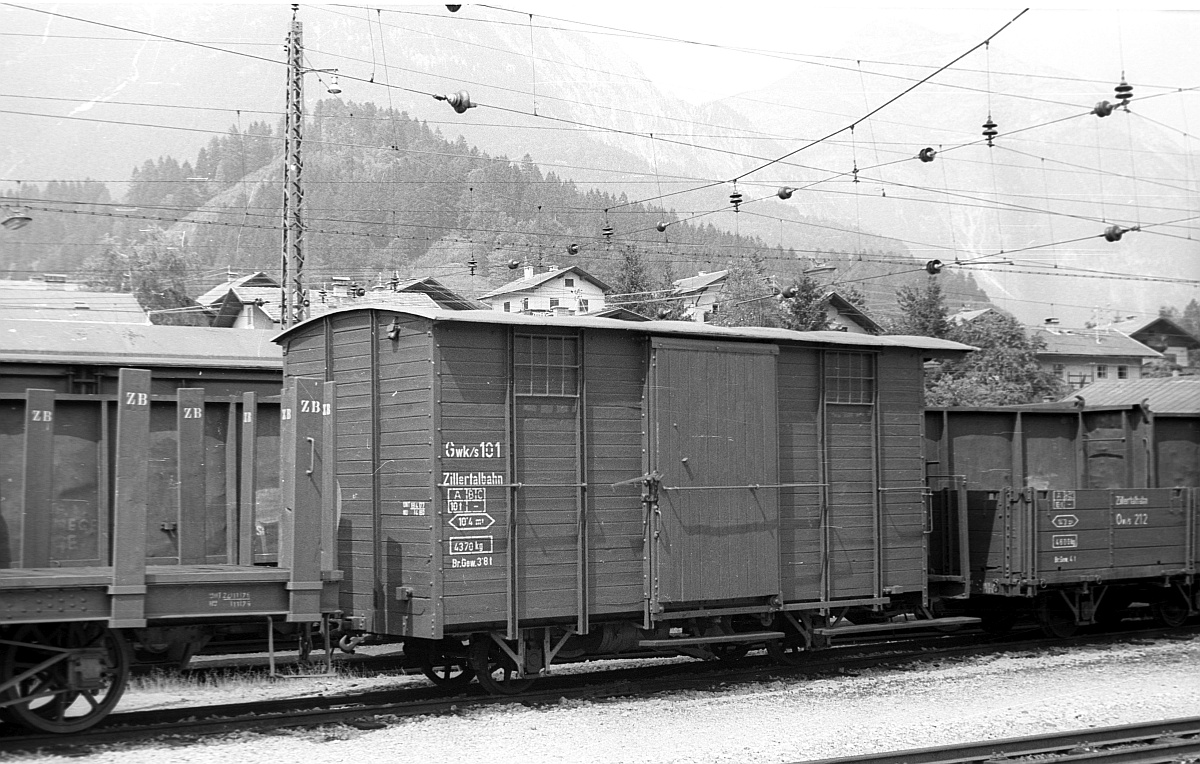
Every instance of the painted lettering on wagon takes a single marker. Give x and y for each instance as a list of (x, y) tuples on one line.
[(1132, 500), (1126, 521), (485, 450), (233, 600), (473, 478)]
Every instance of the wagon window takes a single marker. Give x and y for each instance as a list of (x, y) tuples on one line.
[(546, 365), (849, 378)]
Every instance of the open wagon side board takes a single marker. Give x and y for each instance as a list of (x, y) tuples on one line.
[(499, 471)]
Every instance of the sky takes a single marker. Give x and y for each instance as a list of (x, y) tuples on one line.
[(1154, 48)]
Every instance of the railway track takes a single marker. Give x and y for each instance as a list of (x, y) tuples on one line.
[(378, 708), (1165, 742)]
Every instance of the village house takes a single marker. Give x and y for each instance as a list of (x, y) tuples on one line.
[(559, 291), (1082, 356)]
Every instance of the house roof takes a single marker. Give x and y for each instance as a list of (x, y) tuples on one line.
[(1165, 395), (967, 316), (858, 315), (247, 289), (113, 344), (531, 283), (698, 283), (622, 314), (62, 305), (1099, 343), (415, 293), (681, 328), (1161, 329)]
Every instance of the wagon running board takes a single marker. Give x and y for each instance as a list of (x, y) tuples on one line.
[(749, 636), (928, 623)]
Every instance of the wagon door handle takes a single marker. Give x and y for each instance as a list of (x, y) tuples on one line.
[(312, 456)]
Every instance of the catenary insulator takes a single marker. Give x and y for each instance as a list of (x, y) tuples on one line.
[(1102, 109), (572, 249), (989, 130), (926, 154), (785, 192), (735, 199), (662, 226), (607, 231), (1113, 233), (934, 267), (1124, 93), (460, 101), (514, 264)]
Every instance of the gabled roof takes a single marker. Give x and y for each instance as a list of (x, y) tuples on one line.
[(699, 283), (442, 296), (622, 314), (846, 308), (63, 305), (112, 344), (425, 292), (1101, 343), (247, 289), (533, 282), (1160, 328), (967, 316), (373, 299), (1165, 395)]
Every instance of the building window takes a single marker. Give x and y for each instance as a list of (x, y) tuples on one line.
[(583, 306), (1122, 372), (525, 304), (507, 307), (569, 282), (1101, 372), (553, 302), (849, 378), (1059, 369)]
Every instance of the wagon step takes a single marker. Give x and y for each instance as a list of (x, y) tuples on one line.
[(748, 636), (867, 628)]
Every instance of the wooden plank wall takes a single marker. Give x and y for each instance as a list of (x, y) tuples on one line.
[(901, 410), (404, 470), (800, 462), (314, 353), (614, 386), (473, 368)]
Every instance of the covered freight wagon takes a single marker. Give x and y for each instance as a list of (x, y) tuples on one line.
[(513, 488)]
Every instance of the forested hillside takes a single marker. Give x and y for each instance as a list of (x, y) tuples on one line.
[(386, 194)]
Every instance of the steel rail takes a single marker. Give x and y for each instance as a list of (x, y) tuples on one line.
[(1145, 743)]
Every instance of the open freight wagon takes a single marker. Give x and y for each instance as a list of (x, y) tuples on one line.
[(1074, 515), (133, 523), (515, 489)]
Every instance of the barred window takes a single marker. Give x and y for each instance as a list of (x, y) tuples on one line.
[(849, 377), (1101, 372), (546, 365)]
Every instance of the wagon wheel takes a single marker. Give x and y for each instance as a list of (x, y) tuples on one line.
[(789, 652), (1056, 617), (1172, 610), (447, 664), (495, 670), (91, 654)]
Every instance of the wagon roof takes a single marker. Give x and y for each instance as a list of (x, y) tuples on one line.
[(124, 344), (676, 328), (1165, 395)]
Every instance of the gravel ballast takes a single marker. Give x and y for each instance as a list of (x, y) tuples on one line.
[(794, 719)]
